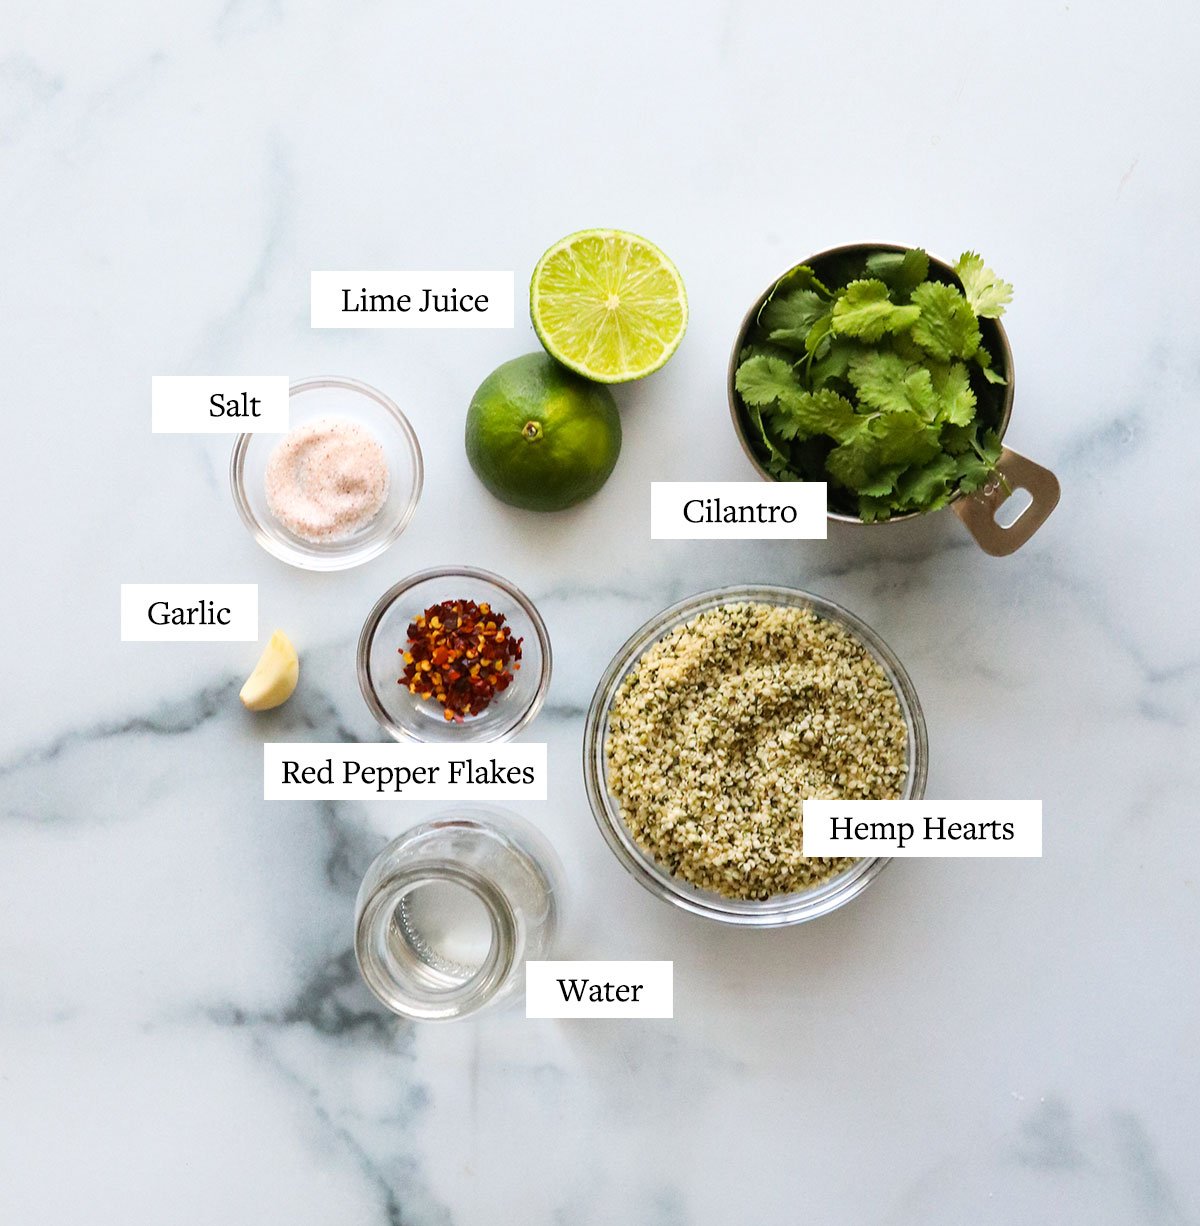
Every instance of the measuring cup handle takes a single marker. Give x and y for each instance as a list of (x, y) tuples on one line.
[(978, 510)]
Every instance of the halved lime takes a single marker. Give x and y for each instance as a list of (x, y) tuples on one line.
[(608, 304)]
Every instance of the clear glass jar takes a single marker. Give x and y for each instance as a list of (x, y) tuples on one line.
[(449, 911)]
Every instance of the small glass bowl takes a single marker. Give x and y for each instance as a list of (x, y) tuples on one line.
[(448, 913), (408, 717), (782, 909), (357, 402)]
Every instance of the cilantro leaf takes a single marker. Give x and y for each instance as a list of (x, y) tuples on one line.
[(986, 293), (888, 382), (903, 344), (870, 461), (939, 500), (882, 481), (778, 460), (918, 386), (762, 380), (782, 470), (800, 277), (878, 378), (851, 463), (956, 440), (770, 386), (956, 398), (818, 334), (873, 510), (857, 465), (984, 360), (972, 473), (864, 310), (990, 447), (902, 271), (914, 269), (923, 486), (947, 327), (834, 364), (787, 320), (905, 438), (763, 350), (813, 413)]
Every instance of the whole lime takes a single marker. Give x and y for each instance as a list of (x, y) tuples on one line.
[(541, 437)]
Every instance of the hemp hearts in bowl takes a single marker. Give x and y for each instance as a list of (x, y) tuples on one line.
[(718, 719)]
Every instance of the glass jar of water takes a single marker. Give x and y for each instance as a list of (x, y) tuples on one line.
[(448, 913)]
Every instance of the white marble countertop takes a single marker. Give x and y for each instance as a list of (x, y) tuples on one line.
[(183, 1035)]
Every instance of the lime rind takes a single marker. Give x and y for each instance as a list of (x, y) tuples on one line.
[(574, 296), (540, 436)]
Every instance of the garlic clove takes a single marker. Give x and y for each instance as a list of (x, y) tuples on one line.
[(274, 678)]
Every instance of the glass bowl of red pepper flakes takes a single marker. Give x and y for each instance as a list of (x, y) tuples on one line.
[(455, 654)]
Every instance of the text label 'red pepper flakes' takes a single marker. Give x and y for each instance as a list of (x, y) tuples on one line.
[(462, 654)]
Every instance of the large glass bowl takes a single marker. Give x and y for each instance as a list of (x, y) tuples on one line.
[(782, 909), (408, 717), (311, 399)]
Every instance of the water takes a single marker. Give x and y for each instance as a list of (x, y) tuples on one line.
[(446, 926)]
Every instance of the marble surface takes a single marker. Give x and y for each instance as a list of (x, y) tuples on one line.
[(183, 1037)]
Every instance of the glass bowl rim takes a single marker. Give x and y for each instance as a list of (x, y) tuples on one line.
[(300, 554), (367, 636), (781, 910)]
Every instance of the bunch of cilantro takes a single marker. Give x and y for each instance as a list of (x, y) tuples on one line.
[(875, 385)]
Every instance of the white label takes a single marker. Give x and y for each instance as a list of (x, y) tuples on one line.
[(337, 771), (599, 989), (738, 510), (219, 404), (412, 300), (189, 612), (922, 828)]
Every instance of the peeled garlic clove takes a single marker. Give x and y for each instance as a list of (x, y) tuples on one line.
[(274, 678)]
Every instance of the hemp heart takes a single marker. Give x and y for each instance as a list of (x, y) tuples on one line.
[(728, 722)]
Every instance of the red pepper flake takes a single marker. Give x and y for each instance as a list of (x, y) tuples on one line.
[(461, 654)]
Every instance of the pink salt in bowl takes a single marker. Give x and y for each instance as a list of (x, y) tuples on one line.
[(312, 400)]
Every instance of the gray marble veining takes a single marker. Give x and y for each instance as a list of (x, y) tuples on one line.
[(183, 1035)]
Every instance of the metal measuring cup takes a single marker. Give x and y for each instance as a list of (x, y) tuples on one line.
[(1013, 471)]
